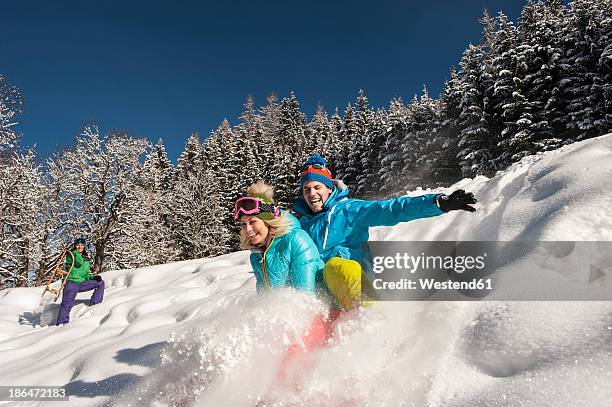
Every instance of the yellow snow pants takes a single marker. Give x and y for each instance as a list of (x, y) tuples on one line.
[(343, 279)]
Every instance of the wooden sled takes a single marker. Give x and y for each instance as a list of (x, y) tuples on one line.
[(59, 272)]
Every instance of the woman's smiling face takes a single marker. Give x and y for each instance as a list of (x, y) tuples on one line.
[(255, 229)]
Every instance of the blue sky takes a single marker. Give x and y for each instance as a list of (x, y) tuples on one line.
[(167, 69)]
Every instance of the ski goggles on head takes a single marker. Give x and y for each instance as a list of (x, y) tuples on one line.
[(253, 206)]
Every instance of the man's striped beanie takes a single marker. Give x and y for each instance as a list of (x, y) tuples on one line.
[(315, 169)]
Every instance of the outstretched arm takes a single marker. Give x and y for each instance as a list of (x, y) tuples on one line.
[(404, 208), (393, 211)]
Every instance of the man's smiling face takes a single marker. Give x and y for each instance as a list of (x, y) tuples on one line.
[(315, 194)]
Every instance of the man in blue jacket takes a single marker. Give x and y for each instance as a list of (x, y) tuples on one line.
[(339, 225)]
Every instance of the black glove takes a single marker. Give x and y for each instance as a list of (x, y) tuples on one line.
[(98, 278), (457, 200)]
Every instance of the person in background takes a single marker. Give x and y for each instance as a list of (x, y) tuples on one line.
[(80, 279)]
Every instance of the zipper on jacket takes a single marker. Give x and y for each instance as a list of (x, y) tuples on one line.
[(263, 265), (327, 226)]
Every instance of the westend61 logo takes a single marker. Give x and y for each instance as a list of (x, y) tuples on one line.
[(497, 271), (412, 263)]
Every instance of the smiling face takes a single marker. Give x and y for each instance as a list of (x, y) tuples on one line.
[(315, 194), (255, 229), (80, 247)]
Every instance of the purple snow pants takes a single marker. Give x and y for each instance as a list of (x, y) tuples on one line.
[(70, 292)]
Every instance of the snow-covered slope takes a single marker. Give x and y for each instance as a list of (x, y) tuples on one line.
[(196, 330)]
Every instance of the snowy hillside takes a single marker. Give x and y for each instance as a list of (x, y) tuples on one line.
[(196, 330)]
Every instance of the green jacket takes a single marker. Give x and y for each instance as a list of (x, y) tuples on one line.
[(81, 270)]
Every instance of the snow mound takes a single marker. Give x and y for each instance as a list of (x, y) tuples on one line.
[(564, 194), (195, 332)]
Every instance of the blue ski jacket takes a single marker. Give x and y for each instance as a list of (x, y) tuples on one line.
[(343, 225), (291, 260)]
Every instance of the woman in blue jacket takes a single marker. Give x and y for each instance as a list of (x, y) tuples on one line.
[(283, 255)]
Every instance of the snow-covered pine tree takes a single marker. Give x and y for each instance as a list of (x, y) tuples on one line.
[(518, 139), (413, 145), (579, 62), (188, 219), (446, 169), (600, 117), (348, 140), (320, 130), (222, 234), (392, 158), (334, 145), (312, 144), (284, 175), (189, 224), (293, 124), (223, 172), (539, 28), (158, 169), (145, 234), (475, 141), (489, 25), (370, 184), (221, 154), (218, 155), (604, 66), (159, 172), (508, 102), (254, 154), (427, 125), (189, 160), (359, 169), (271, 122), (198, 215), (292, 151), (491, 46)]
